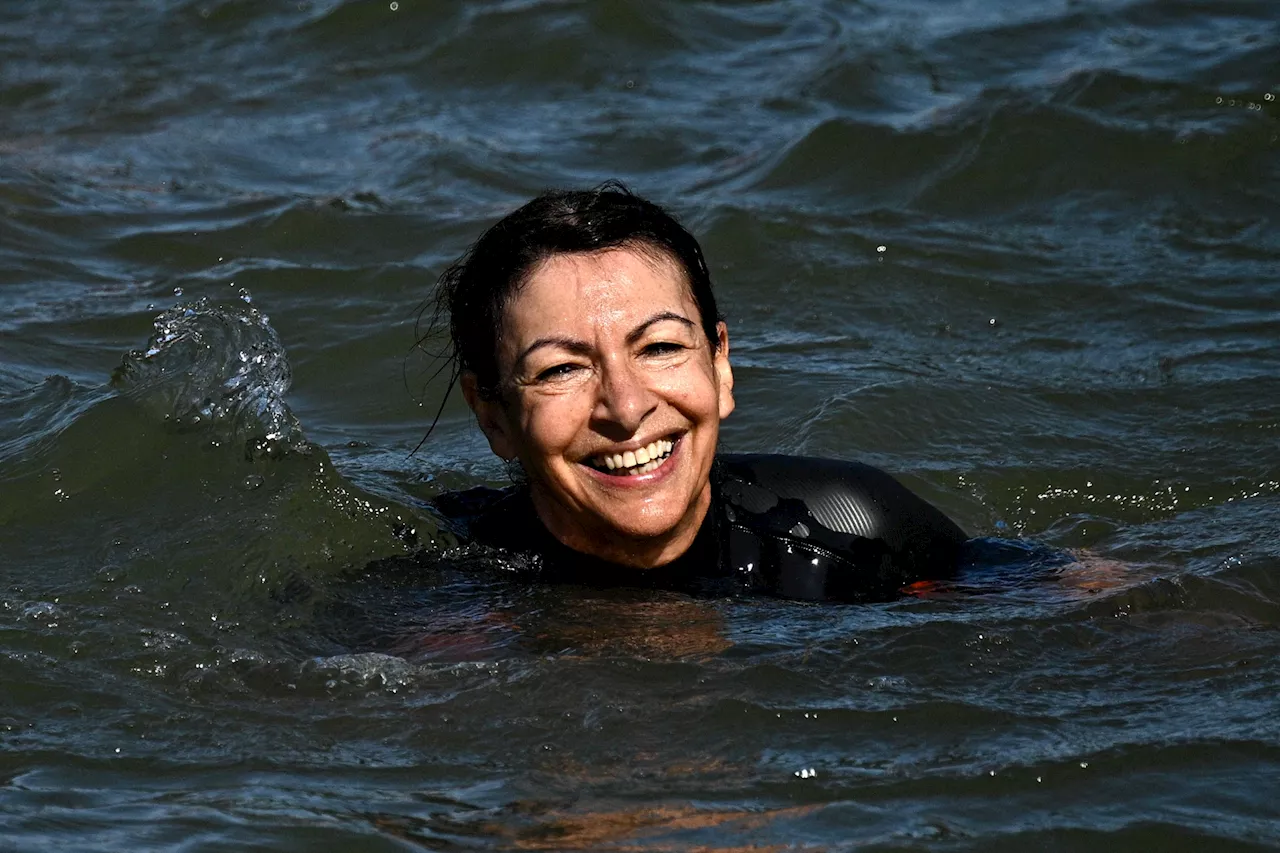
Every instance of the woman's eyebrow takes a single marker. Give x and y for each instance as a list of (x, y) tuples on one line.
[(578, 347), (638, 332)]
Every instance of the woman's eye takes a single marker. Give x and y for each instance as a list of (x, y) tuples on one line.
[(559, 371), (662, 348)]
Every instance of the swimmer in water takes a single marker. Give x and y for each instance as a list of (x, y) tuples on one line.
[(586, 339)]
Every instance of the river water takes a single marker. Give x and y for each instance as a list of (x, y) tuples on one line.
[(1026, 256)]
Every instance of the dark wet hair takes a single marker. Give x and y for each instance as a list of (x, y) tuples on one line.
[(475, 291)]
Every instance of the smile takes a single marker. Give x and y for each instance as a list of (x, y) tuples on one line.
[(633, 463)]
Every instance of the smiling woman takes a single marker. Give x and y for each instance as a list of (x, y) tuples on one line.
[(587, 341), (611, 399)]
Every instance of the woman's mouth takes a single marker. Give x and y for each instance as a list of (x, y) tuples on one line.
[(633, 463)]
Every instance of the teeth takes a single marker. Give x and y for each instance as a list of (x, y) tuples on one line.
[(639, 461)]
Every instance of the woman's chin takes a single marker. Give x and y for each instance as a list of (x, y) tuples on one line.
[(654, 529), (663, 509), (653, 516), (641, 533)]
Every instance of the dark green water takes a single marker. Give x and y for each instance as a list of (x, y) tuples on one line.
[(1024, 255)]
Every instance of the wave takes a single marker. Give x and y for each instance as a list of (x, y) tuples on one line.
[(1095, 133), (217, 367)]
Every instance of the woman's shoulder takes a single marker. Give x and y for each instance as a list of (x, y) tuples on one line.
[(842, 496), (485, 514), (830, 528)]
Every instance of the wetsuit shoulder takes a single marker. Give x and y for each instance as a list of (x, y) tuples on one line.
[(816, 528), (794, 526), (505, 520), (486, 515)]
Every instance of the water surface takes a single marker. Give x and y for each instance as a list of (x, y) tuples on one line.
[(1024, 256)]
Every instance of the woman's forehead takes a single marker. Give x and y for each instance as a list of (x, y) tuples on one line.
[(596, 287)]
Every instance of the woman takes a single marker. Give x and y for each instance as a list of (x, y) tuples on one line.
[(587, 341)]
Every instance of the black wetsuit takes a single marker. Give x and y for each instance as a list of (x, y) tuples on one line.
[(812, 529)]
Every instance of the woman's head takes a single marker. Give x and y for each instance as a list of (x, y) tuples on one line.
[(590, 349), (474, 292)]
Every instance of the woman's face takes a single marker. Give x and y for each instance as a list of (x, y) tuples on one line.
[(611, 398)]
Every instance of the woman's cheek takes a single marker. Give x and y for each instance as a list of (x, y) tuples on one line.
[(688, 384), (552, 422)]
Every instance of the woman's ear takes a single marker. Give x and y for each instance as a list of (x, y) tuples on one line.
[(491, 416), (724, 373)]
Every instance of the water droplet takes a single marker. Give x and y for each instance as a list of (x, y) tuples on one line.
[(992, 321), (177, 291), (395, 7), (253, 481), (882, 249), (1084, 765)]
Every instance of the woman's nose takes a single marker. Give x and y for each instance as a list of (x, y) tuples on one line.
[(625, 400)]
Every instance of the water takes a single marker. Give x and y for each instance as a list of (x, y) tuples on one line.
[(1025, 256)]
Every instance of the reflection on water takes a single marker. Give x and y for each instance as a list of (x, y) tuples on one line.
[(643, 829), (630, 627)]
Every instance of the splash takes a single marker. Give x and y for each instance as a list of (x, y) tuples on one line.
[(216, 367)]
